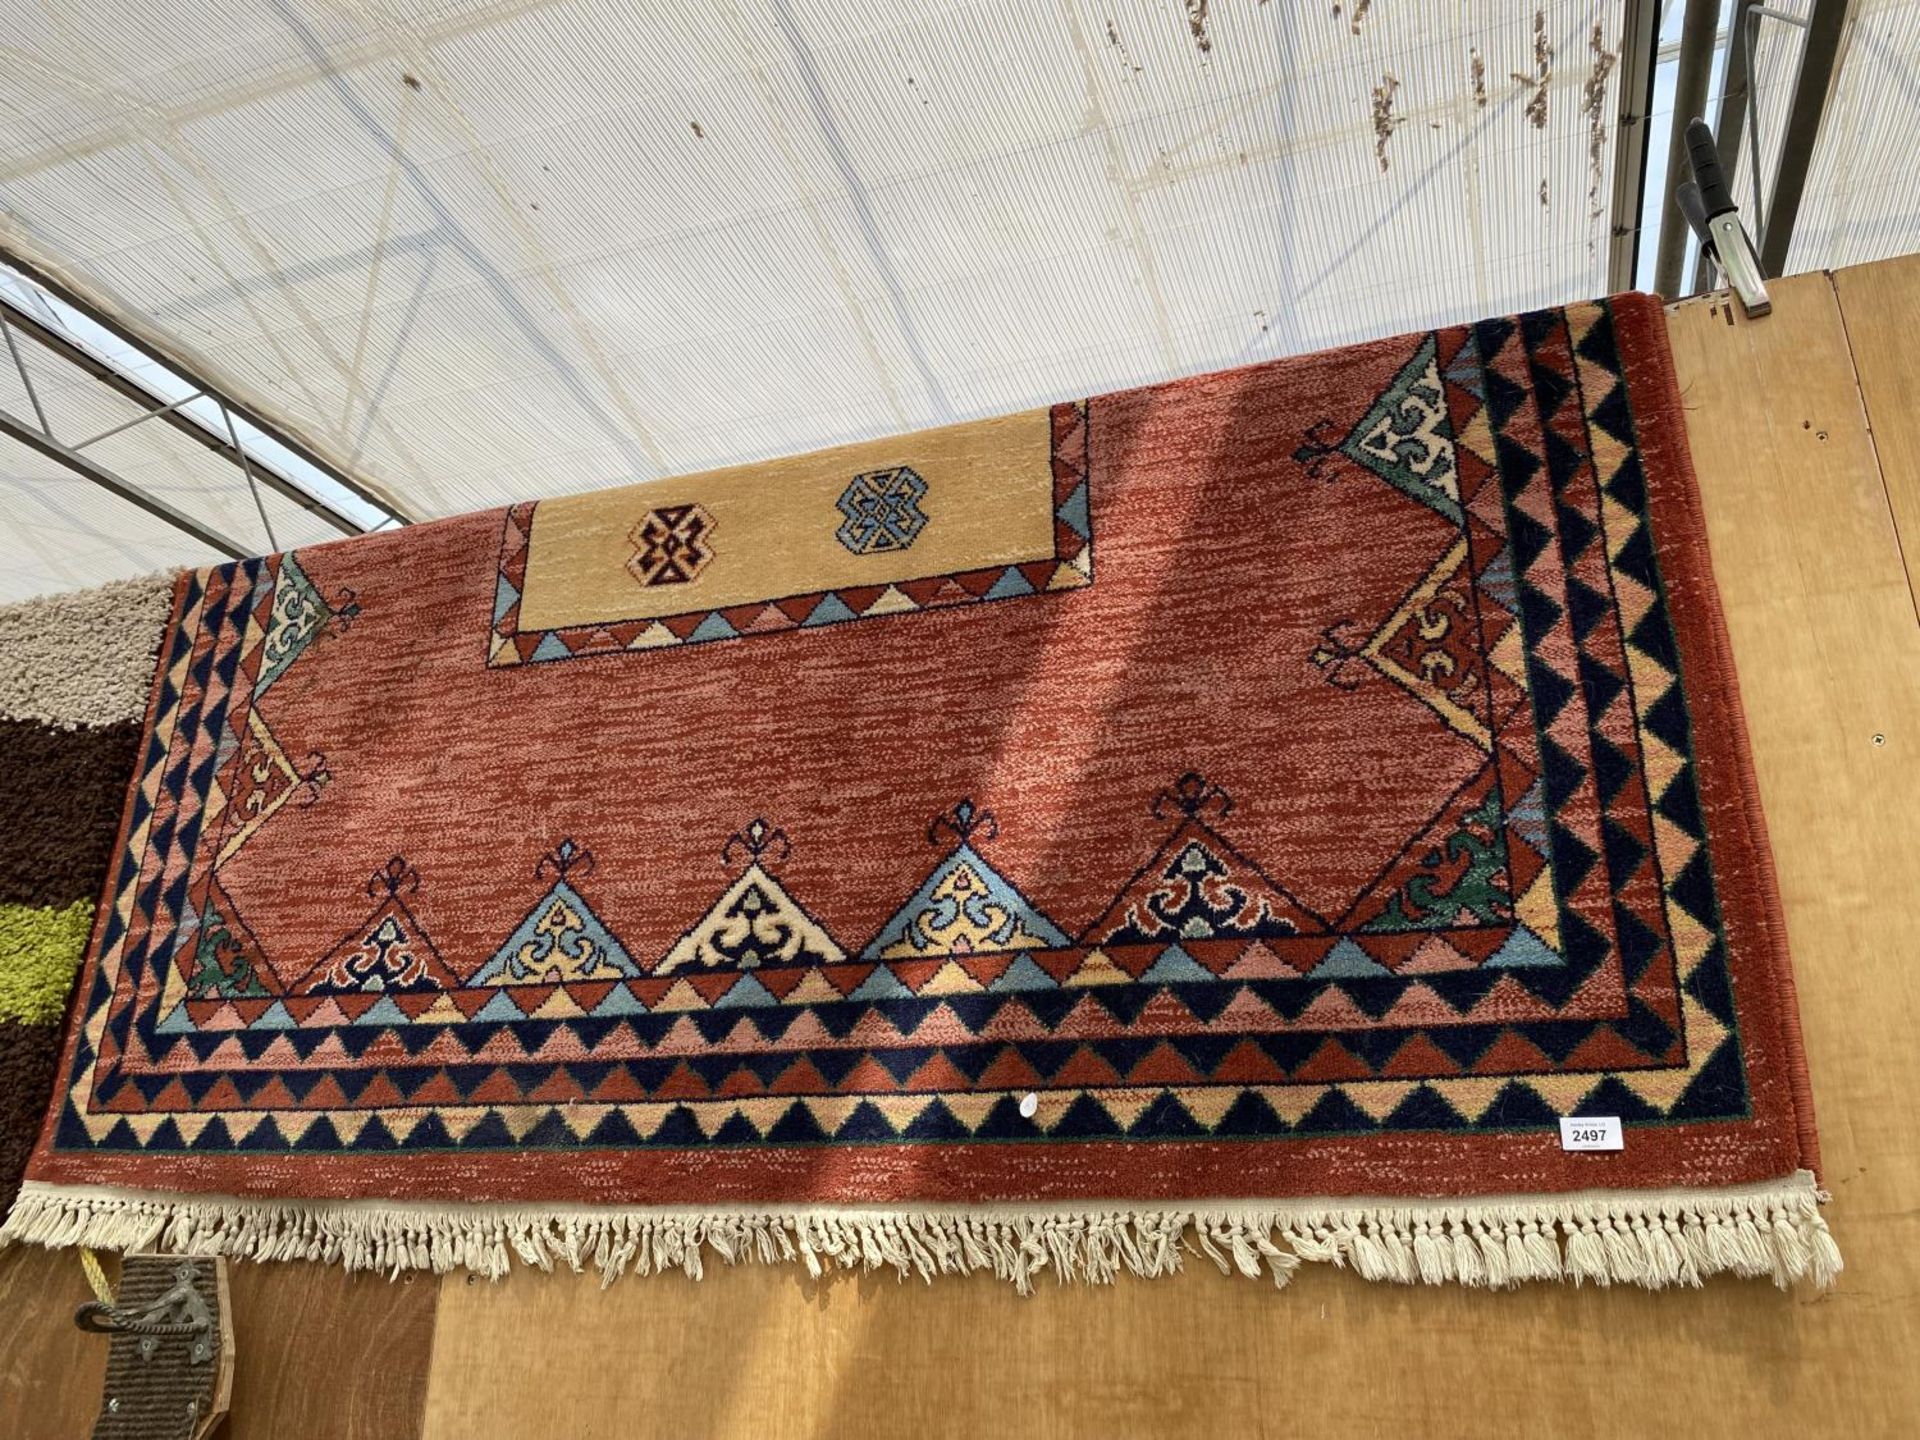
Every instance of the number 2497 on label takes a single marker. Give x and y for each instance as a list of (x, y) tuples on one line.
[(1591, 1132)]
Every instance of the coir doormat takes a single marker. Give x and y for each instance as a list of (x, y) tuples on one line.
[(1246, 814)]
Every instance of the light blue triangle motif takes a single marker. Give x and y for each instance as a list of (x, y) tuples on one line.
[(384, 1012), (620, 1001), (1347, 961), (1524, 950), (831, 610), (964, 907), (1010, 584), (1174, 966), (504, 597), (882, 984), (1465, 369), (746, 991), (714, 627), (560, 938), (551, 647), (500, 1007), (1073, 511), (1023, 974)]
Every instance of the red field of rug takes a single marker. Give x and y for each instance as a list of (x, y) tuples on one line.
[(1265, 803)]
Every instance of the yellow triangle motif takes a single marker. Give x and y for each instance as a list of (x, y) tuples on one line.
[(294, 1123), (519, 1119), (1379, 1098), (1292, 1102), (900, 1110), (191, 1125), (763, 1114), (262, 783), (755, 922), (581, 1119), (969, 1110), (1207, 1104), (442, 1010), (558, 1006), (348, 1124), (1124, 1106), (813, 989), (1560, 1092), (1509, 653), (653, 637), (1471, 1094), (1423, 686), (1539, 910), (400, 1123), (950, 979), (1097, 969), (830, 1112), (460, 1119), (712, 1119), (1477, 436), (891, 601), (681, 996), (647, 1119), (240, 1123), (143, 1126)]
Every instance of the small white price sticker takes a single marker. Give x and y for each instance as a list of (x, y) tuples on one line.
[(1591, 1132)]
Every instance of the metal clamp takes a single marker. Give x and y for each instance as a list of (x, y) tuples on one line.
[(1708, 205)]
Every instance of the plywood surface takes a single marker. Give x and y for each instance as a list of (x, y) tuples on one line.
[(325, 1355), (1881, 307), (50, 1373), (1808, 560)]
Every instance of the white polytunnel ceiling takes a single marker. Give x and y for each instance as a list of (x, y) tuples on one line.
[(1862, 200), (478, 252)]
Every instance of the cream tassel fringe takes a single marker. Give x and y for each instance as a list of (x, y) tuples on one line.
[(1649, 1238)]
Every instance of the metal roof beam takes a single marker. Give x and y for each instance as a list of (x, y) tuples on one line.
[(1639, 42), (90, 469), (1813, 83), (1730, 123), (223, 445), (1699, 33)]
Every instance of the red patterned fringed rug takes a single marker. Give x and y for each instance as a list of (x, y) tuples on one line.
[(1244, 814)]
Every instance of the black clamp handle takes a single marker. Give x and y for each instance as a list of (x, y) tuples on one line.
[(1708, 174)]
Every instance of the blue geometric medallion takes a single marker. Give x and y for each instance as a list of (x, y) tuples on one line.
[(883, 511)]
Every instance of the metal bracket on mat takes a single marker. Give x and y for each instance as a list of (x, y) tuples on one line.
[(170, 1357)]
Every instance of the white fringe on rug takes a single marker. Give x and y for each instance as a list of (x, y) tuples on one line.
[(1653, 1238)]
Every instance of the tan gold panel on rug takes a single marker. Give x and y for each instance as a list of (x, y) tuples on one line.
[(774, 528)]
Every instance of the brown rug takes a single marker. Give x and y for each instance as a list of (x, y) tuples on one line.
[(74, 671)]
